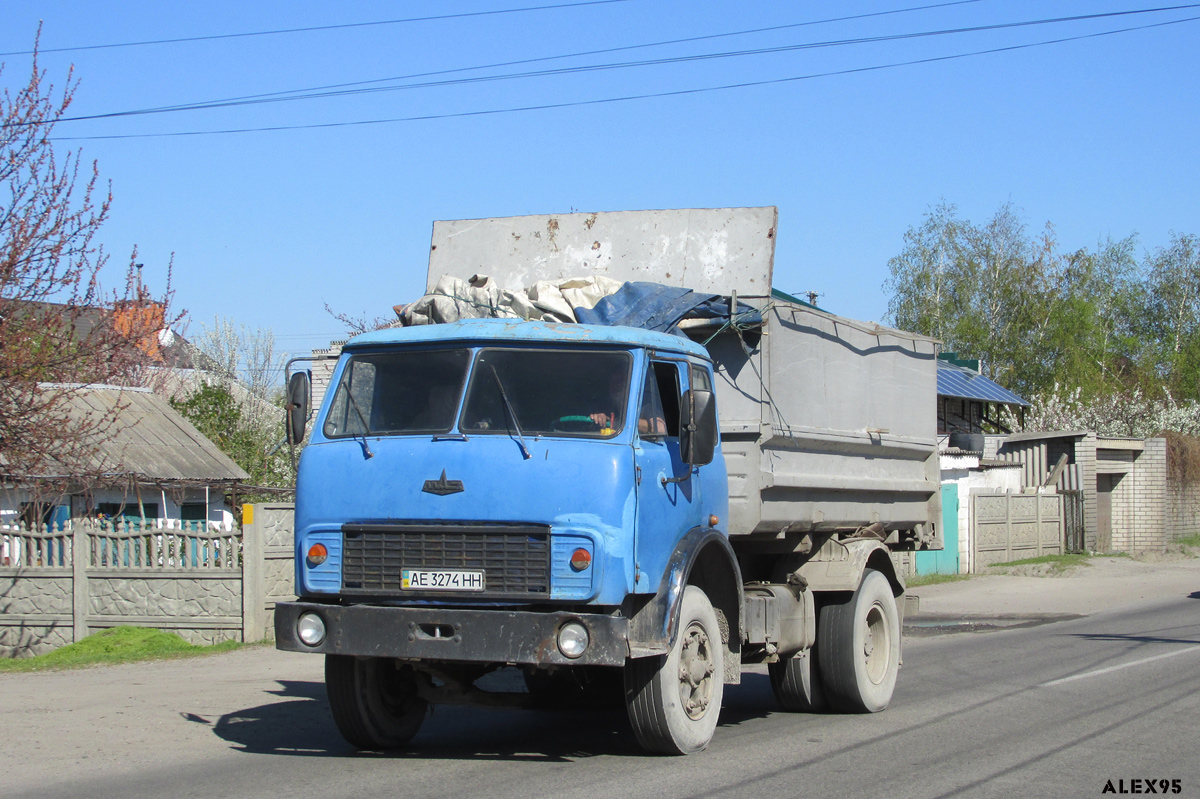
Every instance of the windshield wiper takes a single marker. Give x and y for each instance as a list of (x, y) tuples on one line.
[(508, 407), (366, 427)]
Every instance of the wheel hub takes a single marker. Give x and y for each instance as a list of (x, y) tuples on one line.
[(876, 644), (696, 667)]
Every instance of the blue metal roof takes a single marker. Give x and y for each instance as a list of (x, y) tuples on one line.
[(515, 330), (955, 381)]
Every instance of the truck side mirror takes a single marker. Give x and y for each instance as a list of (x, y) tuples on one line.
[(297, 407), (698, 427)]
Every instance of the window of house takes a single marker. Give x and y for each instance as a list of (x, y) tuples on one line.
[(193, 512), (118, 510), (42, 514)]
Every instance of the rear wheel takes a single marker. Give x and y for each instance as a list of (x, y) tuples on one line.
[(858, 646), (796, 682), (674, 700), (375, 704)]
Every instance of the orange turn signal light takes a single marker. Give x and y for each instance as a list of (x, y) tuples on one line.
[(317, 554), (581, 559)]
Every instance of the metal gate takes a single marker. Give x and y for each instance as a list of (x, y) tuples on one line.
[(1073, 525), (1008, 527), (944, 561)]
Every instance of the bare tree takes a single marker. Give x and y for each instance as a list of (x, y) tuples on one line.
[(249, 355), (58, 326)]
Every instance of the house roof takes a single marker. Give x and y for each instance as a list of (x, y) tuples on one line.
[(174, 350), (149, 439), (1046, 434), (958, 381)]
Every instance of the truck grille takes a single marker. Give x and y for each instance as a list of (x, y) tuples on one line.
[(514, 558)]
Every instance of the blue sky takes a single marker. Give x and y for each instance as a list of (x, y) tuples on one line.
[(1097, 136)]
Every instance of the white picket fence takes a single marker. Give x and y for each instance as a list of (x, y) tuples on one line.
[(166, 543)]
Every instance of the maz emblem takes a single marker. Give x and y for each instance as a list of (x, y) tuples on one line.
[(442, 486)]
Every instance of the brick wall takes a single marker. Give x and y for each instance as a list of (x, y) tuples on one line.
[(1138, 500), (1181, 512)]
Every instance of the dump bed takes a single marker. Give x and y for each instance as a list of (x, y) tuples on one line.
[(827, 424)]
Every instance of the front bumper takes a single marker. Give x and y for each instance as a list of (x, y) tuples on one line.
[(477, 636)]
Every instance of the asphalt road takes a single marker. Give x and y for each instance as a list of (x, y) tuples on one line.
[(1052, 710)]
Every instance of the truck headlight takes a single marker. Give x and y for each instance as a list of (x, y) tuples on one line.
[(310, 628), (572, 639)]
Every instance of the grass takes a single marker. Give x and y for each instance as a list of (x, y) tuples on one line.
[(1057, 563), (118, 645), (1061, 562), (934, 579), (1189, 541)]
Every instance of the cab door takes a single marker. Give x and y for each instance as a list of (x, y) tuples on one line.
[(667, 494)]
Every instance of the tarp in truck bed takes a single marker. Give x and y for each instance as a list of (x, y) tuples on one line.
[(592, 300)]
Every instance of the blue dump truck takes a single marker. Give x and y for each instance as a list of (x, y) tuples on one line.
[(623, 514)]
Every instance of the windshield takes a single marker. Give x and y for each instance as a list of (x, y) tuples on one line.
[(398, 392), (549, 392)]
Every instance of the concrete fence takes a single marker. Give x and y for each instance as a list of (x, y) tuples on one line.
[(1007, 526), (206, 583)]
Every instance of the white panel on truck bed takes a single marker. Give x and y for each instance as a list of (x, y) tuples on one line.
[(710, 250)]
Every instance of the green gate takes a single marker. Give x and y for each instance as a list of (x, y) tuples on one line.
[(946, 561)]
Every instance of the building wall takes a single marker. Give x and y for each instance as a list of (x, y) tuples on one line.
[(322, 372), (167, 503), (1181, 503), (1147, 511), (1181, 514), (1085, 457), (1139, 497), (971, 481)]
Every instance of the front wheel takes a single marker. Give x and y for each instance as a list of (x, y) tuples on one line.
[(375, 703), (674, 700), (858, 647)]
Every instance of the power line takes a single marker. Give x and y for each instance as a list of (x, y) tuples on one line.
[(282, 31), (542, 59), (626, 98), (625, 64)]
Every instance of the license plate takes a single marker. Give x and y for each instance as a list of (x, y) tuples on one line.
[(440, 580)]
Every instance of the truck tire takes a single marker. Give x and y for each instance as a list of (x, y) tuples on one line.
[(375, 705), (858, 647), (674, 700), (796, 682)]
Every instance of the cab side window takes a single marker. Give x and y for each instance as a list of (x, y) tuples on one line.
[(659, 414)]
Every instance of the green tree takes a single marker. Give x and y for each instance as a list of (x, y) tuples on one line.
[(1036, 317), (924, 275), (216, 413), (988, 291), (1170, 314), (1094, 345)]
